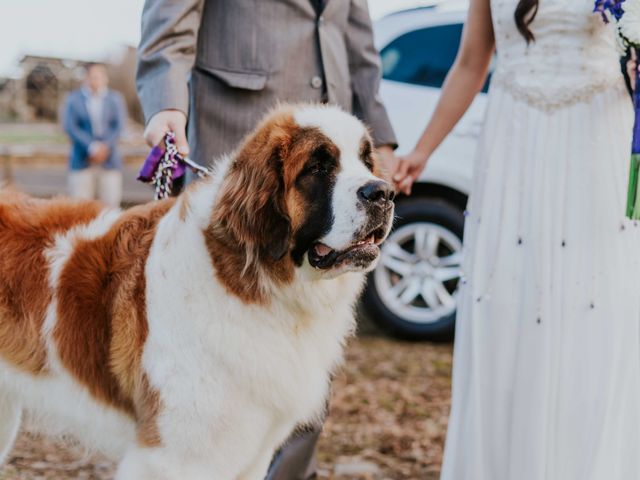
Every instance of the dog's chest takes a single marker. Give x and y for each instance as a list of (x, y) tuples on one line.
[(226, 354), (240, 354), (212, 356)]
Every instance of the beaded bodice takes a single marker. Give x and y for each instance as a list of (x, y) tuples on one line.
[(573, 57)]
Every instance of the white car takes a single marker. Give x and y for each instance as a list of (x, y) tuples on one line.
[(413, 291)]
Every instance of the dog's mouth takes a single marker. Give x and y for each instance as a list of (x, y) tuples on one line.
[(361, 253)]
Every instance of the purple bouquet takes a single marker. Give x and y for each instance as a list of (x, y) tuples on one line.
[(609, 7), (626, 15)]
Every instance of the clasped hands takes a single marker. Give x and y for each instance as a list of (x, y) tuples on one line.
[(401, 171)]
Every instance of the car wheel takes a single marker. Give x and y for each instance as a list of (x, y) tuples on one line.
[(412, 293)]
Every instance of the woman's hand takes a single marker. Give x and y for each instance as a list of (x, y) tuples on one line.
[(463, 82), (632, 68), (409, 169)]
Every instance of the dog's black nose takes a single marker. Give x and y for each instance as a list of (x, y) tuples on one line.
[(376, 192)]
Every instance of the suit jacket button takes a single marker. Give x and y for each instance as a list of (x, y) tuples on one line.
[(316, 82)]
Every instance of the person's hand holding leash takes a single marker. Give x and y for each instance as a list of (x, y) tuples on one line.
[(168, 121)]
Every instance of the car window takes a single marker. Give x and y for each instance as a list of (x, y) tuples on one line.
[(424, 56)]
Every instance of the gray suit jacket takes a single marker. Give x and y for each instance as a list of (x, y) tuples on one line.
[(225, 62)]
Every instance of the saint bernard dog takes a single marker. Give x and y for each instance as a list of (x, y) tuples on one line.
[(188, 338)]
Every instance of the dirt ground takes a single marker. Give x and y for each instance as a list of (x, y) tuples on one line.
[(387, 421)]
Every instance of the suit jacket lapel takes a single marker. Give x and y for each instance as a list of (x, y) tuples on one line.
[(107, 114), (82, 110)]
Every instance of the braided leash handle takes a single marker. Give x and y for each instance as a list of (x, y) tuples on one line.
[(165, 164), (163, 177)]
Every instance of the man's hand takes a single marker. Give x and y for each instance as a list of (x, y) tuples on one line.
[(387, 161), (165, 121), (98, 153), (409, 169)]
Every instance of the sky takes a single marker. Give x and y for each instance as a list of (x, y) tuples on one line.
[(89, 29)]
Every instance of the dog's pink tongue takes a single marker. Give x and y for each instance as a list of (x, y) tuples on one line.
[(322, 250)]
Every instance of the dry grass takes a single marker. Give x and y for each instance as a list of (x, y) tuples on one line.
[(388, 419), (389, 408)]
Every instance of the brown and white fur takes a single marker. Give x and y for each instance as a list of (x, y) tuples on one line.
[(187, 338)]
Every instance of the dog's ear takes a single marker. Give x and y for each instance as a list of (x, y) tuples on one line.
[(271, 222), (252, 206)]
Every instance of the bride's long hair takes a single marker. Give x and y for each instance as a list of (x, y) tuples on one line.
[(525, 13)]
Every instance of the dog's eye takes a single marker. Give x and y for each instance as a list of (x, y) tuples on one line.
[(319, 167), (315, 167), (366, 154), (321, 161)]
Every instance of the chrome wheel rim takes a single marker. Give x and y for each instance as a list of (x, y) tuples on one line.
[(419, 272)]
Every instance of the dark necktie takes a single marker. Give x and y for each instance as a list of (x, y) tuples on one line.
[(318, 6)]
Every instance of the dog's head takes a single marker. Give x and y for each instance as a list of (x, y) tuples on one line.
[(302, 193)]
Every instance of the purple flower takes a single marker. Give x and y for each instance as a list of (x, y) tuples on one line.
[(614, 7)]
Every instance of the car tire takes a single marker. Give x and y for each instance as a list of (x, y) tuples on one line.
[(411, 212)]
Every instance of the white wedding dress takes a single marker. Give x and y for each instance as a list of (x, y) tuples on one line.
[(546, 381)]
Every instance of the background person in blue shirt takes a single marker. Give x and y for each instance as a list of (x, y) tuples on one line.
[(94, 117)]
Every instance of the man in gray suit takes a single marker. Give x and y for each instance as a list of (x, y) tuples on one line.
[(219, 65), (223, 63)]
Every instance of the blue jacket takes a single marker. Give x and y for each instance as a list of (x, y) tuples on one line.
[(77, 124)]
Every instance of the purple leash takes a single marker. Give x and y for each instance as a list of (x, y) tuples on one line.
[(165, 164)]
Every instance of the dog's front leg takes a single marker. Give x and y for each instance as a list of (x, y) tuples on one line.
[(258, 469), (141, 463), (10, 416)]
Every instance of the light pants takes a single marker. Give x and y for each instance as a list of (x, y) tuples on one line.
[(108, 183)]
